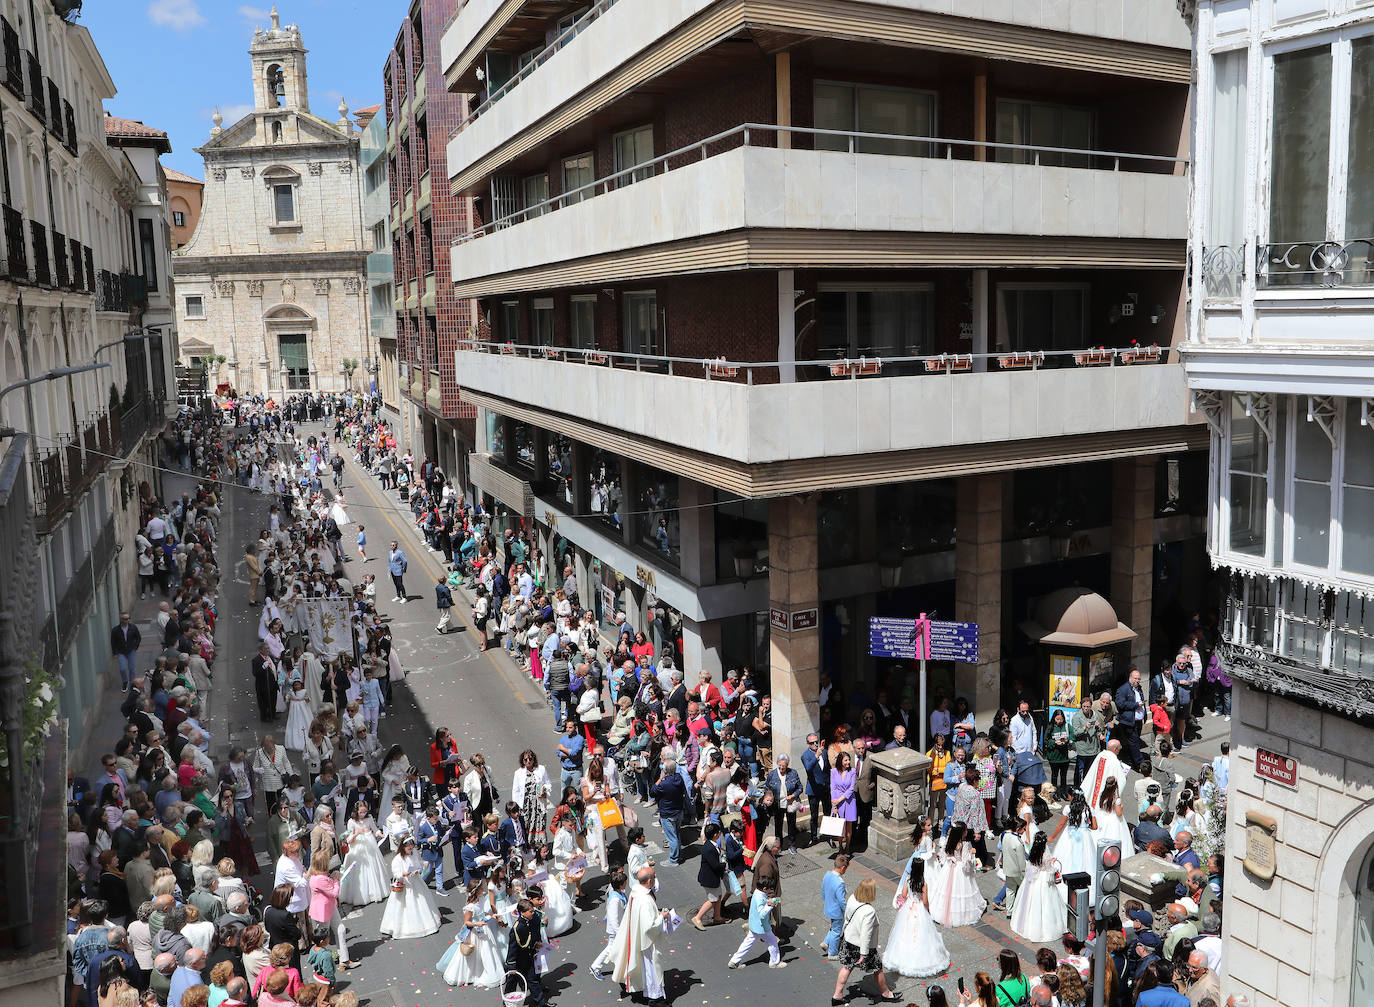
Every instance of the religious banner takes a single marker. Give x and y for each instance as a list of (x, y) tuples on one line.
[(326, 622)]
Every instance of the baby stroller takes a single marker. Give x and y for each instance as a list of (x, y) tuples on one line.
[(1028, 770)]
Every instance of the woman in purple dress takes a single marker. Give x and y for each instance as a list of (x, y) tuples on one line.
[(843, 784)]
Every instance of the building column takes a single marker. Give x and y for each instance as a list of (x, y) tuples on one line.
[(794, 653), (697, 531), (1133, 558), (787, 326), (701, 650), (980, 506), (980, 319)]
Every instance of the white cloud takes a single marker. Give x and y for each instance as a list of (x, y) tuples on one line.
[(179, 15), (260, 15)]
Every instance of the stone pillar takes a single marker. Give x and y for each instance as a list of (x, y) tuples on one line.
[(899, 801), (701, 650), (794, 653), (697, 529), (980, 504), (1133, 558)]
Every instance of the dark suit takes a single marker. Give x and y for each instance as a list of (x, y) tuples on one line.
[(265, 681), (865, 788), (125, 639), (524, 944), (1132, 709), (677, 700), (711, 871), (472, 870)]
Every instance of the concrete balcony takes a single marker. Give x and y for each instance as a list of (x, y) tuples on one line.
[(1146, 38), (818, 201), (758, 424)]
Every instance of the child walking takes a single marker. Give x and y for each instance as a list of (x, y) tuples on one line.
[(362, 543)]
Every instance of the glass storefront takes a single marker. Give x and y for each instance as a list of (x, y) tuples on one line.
[(655, 519)]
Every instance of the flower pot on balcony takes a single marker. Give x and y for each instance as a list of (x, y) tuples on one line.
[(1097, 357), (595, 358), (949, 362), (855, 368), (508, 349), (1142, 355), (720, 369), (551, 352), (1020, 361)]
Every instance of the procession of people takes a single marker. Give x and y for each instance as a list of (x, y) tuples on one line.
[(164, 834)]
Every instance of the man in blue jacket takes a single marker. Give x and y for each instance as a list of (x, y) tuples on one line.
[(671, 794), (834, 895), (396, 566), (816, 766), (1132, 710), (443, 601)]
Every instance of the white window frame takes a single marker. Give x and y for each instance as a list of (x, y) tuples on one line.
[(1223, 543), (575, 300), (1297, 413), (199, 299), (529, 207), (632, 176), (578, 196), (625, 339)]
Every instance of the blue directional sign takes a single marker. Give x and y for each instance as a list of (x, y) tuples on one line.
[(909, 639)]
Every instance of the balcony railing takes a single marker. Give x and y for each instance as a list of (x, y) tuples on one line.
[(838, 366), (16, 254), (135, 290), (14, 60), (59, 257), (540, 58), (77, 279), (765, 134), (1319, 263), (131, 425), (54, 110), (37, 103), (89, 258), (42, 271), (111, 294), (69, 118), (51, 499)]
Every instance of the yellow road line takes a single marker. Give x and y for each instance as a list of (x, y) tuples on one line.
[(403, 536)]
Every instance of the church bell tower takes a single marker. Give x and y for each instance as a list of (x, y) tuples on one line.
[(279, 80)]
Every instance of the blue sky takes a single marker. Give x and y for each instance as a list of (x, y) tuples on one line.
[(173, 60)]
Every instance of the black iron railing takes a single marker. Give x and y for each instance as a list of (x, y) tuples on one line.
[(51, 498), (77, 283), (14, 60), (110, 295), (37, 95), (89, 257), (59, 259), (132, 425), (16, 255), (42, 271), (69, 118), (54, 109), (135, 290)]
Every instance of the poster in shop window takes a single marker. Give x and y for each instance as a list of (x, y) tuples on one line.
[(1065, 678)]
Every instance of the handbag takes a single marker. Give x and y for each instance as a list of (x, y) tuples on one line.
[(832, 827), (630, 815), (610, 814)]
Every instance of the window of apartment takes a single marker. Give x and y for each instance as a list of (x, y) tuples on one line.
[(1042, 124), (1302, 622), (382, 298), (1357, 494), (578, 171), (376, 175), (381, 238), (875, 320), (427, 246), (1042, 316), (570, 19), (534, 193), (1224, 258), (1311, 462), (432, 342), (582, 321), (295, 360), (195, 306), (541, 321), (509, 330), (865, 108), (284, 201), (639, 322), (634, 147), (1300, 153), (147, 250), (505, 199), (178, 218), (1248, 482)]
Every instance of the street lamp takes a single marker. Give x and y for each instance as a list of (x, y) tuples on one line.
[(52, 375)]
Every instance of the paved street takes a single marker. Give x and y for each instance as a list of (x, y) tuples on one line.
[(493, 707)]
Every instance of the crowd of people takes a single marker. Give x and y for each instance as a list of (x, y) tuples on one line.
[(170, 902)]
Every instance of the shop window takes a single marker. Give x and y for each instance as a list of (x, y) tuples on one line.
[(916, 518), (522, 444), (561, 467), (496, 435), (854, 108), (1248, 482), (741, 537), (838, 521), (604, 488), (1061, 501), (656, 517)]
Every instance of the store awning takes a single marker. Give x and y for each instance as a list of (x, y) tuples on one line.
[(1076, 617)]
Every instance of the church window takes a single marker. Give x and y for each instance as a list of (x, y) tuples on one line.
[(284, 197), (195, 306), (276, 132)]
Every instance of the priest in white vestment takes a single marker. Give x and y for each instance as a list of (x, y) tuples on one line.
[(640, 941)]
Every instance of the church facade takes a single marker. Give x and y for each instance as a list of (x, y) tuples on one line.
[(273, 280)]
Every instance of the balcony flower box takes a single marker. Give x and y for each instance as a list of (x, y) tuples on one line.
[(599, 359), (949, 362), (1142, 355), (720, 369), (1020, 361), (1096, 357), (855, 368), (508, 349), (551, 352)]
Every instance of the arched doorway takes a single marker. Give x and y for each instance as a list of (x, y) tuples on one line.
[(1362, 960)]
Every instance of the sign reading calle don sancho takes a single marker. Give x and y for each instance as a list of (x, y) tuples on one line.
[(1276, 768)]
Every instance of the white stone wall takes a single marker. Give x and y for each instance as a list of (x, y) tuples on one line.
[(1289, 941)]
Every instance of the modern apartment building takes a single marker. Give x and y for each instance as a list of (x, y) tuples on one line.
[(794, 315), (1278, 358), (425, 217), (83, 390)]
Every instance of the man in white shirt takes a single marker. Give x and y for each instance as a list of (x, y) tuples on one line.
[(157, 530), (1023, 730), (940, 722)]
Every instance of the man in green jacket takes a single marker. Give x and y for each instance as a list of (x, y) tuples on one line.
[(1086, 730)]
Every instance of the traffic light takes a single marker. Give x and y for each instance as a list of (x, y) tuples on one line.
[(1079, 887), (1108, 901)]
